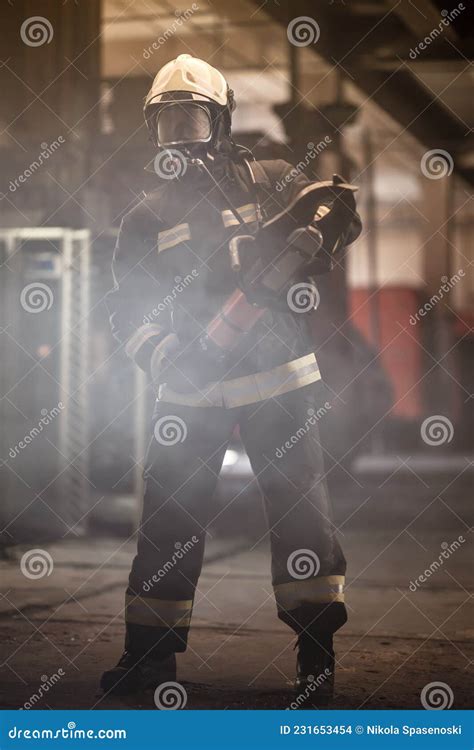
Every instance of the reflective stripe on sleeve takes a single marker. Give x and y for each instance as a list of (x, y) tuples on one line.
[(171, 237), (317, 590), (158, 613), (248, 214), (140, 337)]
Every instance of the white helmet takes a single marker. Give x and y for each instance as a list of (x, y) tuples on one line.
[(194, 80)]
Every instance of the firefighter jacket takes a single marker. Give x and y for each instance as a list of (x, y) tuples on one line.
[(172, 274)]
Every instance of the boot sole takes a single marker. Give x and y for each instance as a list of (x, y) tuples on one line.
[(127, 683)]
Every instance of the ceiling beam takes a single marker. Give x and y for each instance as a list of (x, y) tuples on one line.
[(395, 91), (421, 18)]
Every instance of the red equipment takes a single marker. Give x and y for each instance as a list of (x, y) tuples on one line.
[(327, 206)]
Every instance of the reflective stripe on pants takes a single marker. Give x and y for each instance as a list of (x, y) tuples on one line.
[(181, 477), (249, 389), (316, 590), (153, 612)]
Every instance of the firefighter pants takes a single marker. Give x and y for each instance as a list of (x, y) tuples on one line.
[(185, 456)]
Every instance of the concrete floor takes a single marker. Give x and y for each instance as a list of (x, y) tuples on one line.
[(239, 655)]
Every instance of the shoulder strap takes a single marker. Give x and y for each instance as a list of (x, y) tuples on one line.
[(259, 175), (261, 186)]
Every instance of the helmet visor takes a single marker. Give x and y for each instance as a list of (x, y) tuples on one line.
[(183, 122)]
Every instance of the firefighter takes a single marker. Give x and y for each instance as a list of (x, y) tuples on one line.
[(172, 275)]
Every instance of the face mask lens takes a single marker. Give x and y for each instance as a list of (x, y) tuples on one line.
[(183, 123)]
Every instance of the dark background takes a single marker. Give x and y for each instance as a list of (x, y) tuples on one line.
[(384, 103)]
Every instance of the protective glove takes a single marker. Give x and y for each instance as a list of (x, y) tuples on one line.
[(307, 240)]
